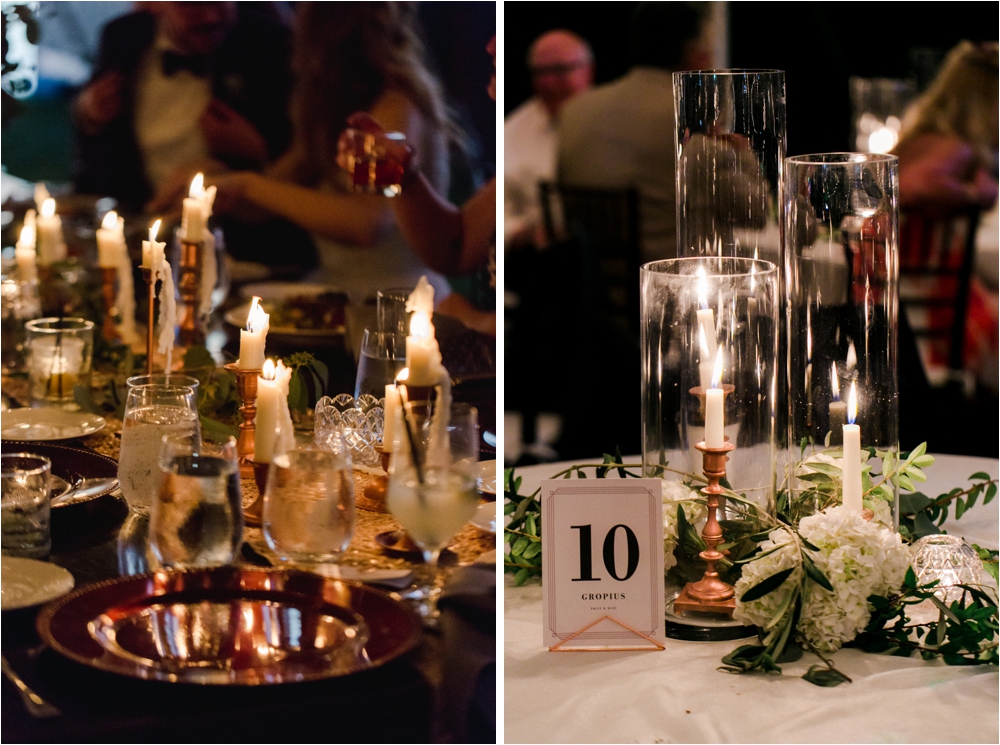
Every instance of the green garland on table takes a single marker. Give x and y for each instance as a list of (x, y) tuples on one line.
[(965, 633)]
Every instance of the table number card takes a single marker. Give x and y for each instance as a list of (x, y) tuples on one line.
[(602, 574)]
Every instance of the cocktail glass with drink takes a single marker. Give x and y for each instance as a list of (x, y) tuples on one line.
[(432, 486), (375, 161), (151, 412), (197, 518)]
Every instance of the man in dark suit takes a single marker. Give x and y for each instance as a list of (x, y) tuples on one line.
[(178, 85)]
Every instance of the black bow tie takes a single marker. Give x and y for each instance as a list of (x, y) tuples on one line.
[(174, 62)]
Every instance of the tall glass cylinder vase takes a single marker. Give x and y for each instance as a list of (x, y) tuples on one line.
[(730, 140), (842, 238), (708, 324)]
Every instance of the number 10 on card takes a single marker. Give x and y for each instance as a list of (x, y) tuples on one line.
[(603, 567)]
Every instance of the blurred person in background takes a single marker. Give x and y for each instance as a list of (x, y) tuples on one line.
[(562, 67), (177, 87), (349, 57), (620, 135), (948, 148)]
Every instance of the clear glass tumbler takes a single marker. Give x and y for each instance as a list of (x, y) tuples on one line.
[(60, 352), (308, 515), (383, 355), (197, 518), (25, 505), (151, 411)]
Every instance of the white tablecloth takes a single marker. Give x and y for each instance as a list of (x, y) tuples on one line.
[(679, 696)]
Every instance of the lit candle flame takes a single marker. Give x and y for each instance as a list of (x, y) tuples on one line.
[(852, 403), (110, 220), (852, 357), (717, 372), (154, 229), (48, 207), (420, 326), (27, 236), (267, 372), (403, 375), (702, 288), (835, 381), (256, 318), (197, 189)]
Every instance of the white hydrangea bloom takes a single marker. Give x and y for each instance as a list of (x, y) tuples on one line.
[(860, 558), (674, 493)]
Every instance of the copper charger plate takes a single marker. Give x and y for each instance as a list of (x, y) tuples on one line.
[(229, 626), (68, 464)]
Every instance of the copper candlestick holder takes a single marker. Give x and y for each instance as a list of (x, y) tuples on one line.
[(109, 290), (372, 495), (253, 516), (710, 594), (246, 386), (189, 289), (148, 277)]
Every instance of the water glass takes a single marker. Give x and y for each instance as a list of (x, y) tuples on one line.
[(390, 309), (151, 411), (25, 503), (197, 518), (59, 358), (383, 355), (308, 515), (432, 485)]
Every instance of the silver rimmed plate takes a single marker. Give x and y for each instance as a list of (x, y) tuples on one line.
[(27, 582), (229, 626), (486, 517), (48, 425), (486, 478)]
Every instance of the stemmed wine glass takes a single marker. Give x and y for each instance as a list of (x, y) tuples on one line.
[(432, 486)]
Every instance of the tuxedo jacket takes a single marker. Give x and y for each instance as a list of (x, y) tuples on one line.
[(250, 73)]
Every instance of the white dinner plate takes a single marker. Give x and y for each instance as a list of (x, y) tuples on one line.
[(486, 479), (48, 425), (486, 517), (26, 582)]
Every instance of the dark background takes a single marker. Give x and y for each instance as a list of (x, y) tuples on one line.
[(818, 45)]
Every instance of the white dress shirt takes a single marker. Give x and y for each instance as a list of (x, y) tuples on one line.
[(529, 156), (167, 110)]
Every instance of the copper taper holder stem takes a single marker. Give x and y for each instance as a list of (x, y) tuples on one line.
[(189, 289), (246, 386), (147, 275), (710, 594), (253, 515), (109, 290)]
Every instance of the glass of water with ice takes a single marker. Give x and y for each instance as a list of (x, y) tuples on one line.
[(197, 518), (26, 505), (151, 412)]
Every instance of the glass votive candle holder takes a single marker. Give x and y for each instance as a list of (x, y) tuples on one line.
[(26, 508), (949, 560), (60, 351)]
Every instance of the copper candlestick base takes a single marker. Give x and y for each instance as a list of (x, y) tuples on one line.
[(372, 496), (246, 386), (147, 275), (710, 594), (109, 290), (253, 516), (189, 289)]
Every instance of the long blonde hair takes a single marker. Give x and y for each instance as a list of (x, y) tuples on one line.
[(961, 101), (346, 54)]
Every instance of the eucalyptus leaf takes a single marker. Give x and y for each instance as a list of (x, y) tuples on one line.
[(767, 585), (824, 676)]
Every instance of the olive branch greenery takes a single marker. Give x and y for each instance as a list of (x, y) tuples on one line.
[(965, 633)]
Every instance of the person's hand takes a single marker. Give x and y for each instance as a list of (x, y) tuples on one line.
[(169, 197), (230, 193), (230, 135), (100, 102)]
